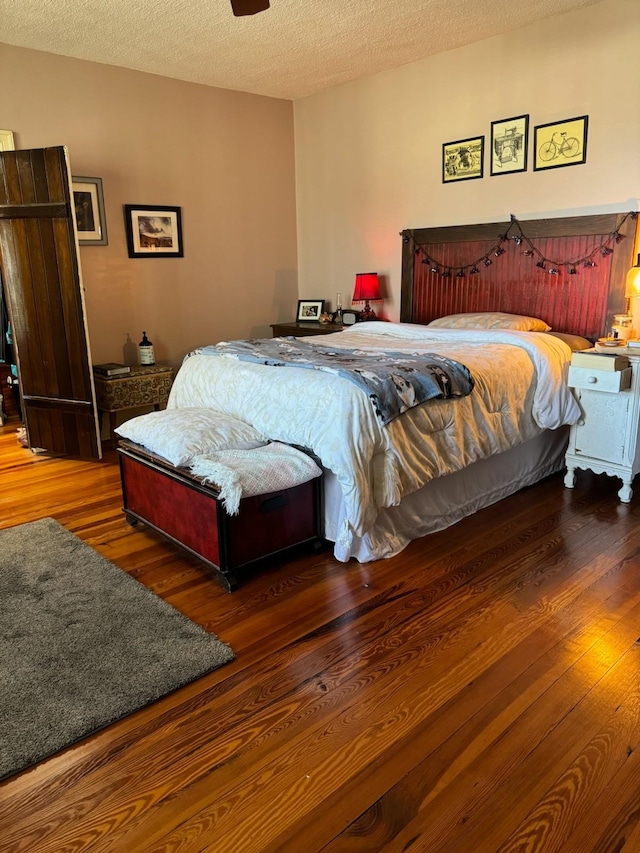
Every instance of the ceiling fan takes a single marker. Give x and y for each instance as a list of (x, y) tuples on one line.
[(248, 7)]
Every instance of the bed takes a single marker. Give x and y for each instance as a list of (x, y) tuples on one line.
[(442, 460)]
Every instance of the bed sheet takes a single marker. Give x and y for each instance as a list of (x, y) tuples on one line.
[(445, 501), (520, 390)]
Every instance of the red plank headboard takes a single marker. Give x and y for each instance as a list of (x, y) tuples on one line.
[(582, 302)]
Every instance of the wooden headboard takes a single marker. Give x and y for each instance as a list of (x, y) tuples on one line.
[(439, 274)]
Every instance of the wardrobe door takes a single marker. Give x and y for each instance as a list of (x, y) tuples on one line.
[(43, 286)]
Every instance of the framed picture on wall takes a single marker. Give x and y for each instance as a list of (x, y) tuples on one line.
[(560, 143), (463, 160), (153, 231), (6, 141), (509, 145), (88, 202)]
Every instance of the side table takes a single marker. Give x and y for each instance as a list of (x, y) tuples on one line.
[(606, 439), (143, 386)]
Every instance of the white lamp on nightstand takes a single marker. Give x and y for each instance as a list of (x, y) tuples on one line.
[(632, 292)]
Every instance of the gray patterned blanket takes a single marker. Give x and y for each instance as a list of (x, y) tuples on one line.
[(393, 381)]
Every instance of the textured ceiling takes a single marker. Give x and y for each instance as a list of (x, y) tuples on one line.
[(294, 49)]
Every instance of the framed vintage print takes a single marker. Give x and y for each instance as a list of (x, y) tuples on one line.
[(560, 143), (463, 160), (7, 142), (153, 231), (88, 203), (309, 309), (509, 145)]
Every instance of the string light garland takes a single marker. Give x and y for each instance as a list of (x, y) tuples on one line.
[(519, 238)]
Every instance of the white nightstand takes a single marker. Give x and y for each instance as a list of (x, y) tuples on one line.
[(605, 440)]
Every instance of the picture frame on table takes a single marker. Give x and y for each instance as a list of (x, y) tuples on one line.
[(88, 203), (509, 145), (463, 160), (309, 310), (153, 231), (560, 143)]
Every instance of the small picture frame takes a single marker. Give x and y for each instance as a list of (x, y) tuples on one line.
[(509, 145), (560, 143), (88, 202), (463, 160), (309, 310), (153, 231), (7, 142)]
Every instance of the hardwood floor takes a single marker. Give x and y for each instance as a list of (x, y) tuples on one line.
[(479, 692)]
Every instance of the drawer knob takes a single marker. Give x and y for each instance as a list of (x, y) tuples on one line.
[(592, 380)]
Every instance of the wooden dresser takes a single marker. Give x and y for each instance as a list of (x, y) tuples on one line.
[(146, 385)]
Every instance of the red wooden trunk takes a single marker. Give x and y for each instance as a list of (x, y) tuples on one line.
[(190, 514)]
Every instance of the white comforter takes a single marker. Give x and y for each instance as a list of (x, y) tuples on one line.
[(520, 389)]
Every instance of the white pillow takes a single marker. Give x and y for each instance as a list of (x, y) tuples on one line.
[(491, 320), (575, 342), (181, 434)]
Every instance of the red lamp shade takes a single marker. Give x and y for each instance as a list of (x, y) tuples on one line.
[(367, 287)]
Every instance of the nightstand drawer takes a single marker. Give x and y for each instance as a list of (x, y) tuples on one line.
[(610, 381)]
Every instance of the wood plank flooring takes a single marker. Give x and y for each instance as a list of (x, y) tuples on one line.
[(479, 692)]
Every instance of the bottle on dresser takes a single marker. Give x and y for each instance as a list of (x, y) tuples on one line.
[(145, 351)]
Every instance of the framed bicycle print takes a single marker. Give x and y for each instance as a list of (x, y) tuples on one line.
[(509, 145), (560, 143), (462, 160)]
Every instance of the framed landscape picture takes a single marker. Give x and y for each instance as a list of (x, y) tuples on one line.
[(560, 143), (153, 231), (88, 202), (462, 160), (509, 145)]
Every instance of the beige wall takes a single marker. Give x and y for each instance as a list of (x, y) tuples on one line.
[(367, 165), (368, 154), (226, 158)]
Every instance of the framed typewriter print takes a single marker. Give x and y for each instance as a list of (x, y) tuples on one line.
[(509, 145)]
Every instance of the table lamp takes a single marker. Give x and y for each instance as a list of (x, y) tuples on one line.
[(632, 292), (368, 288)]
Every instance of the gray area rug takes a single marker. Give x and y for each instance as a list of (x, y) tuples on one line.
[(82, 643)]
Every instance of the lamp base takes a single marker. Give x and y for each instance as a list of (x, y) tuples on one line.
[(367, 312)]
